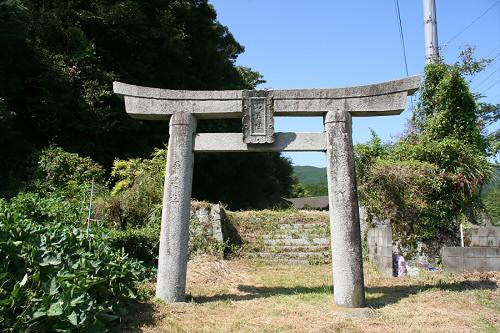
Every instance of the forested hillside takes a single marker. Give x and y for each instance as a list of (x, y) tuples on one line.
[(57, 63), (310, 175)]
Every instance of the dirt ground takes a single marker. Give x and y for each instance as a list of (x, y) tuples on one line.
[(252, 296)]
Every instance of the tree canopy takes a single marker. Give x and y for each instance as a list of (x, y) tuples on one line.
[(57, 63)]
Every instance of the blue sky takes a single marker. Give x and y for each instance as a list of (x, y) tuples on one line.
[(327, 44)]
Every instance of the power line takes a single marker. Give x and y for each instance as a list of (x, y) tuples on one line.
[(473, 22), (486, 79), (401, 36), (493, 60), (491, 86)]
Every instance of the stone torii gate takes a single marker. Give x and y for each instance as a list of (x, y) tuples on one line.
[(257, 108)]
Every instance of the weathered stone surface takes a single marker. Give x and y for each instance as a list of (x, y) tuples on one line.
[(257, 120), (470, 259), (233, 142), (216, 213), (380, 248), (483, 236), (344, 212), (174, 235), (210, 217), (372, 100), (297, 241)]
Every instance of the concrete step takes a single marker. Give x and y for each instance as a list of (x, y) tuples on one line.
[(290, 255), (279, 261), (295, 233), (297, 248), (303, 226), (287, 261), (297, 241)]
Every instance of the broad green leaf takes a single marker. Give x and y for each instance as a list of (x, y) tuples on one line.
[(55, 309), (73, 318), (15, 291), (50, 261), (24, 280), (53, 287), (39, 313), (77, 300)]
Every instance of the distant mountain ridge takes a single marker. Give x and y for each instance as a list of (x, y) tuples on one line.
[(309, 174)]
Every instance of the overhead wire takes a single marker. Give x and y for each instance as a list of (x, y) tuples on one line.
[(472, 23), (401, 35), (491, 86), (486, 79)]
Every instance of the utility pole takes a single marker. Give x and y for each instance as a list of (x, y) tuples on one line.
[(430, 29)]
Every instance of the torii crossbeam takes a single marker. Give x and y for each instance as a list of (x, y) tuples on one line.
[(257, 108)]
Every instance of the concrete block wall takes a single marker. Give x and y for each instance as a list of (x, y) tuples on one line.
[(471, 259), (483, 236), (380, 248)]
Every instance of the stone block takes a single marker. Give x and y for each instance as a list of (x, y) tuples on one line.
[(492, 264), (453, 264), (474, 252), (474, 240), (386, 251), (452, 251), (473, 231), (490, 231), (483, 241), (492, 252), (384, 266), (475, 264), (491, 241)]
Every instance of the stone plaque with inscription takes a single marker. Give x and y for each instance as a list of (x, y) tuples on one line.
[(258, 122)]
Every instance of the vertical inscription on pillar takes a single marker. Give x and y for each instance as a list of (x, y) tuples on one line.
[(258, 122), (175, 182)]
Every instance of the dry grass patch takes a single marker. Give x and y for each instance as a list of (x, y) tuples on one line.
[(249, 296)]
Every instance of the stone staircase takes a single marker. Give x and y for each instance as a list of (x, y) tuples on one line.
[(297, 243)]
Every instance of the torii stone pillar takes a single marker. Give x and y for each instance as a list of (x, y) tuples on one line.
[(257, 109), (174, 235), (344, 211)]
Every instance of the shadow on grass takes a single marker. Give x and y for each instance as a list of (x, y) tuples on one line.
[(254, 292), (390, 295), (394, 294), (140, 313)]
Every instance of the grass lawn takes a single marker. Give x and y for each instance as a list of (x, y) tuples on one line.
[(251, 296)]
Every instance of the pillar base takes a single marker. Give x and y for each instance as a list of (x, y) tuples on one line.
[(343, 312)]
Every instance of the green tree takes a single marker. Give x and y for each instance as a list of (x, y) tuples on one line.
[(430, 180), (58, 61)]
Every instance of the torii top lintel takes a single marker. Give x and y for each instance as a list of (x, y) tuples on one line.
[(386, 98)]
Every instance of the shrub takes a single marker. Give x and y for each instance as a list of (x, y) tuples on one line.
[(137, 192), (52, 279), (61, 170), (144, 243), (140, 243), (41, 209)]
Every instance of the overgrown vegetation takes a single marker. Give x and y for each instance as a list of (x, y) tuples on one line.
[(253, 226), (52, 277), (56, 277), (429, 182), (57, 64)]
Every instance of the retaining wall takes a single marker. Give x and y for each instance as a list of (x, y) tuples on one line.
[(483, 236), (470, 259)]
